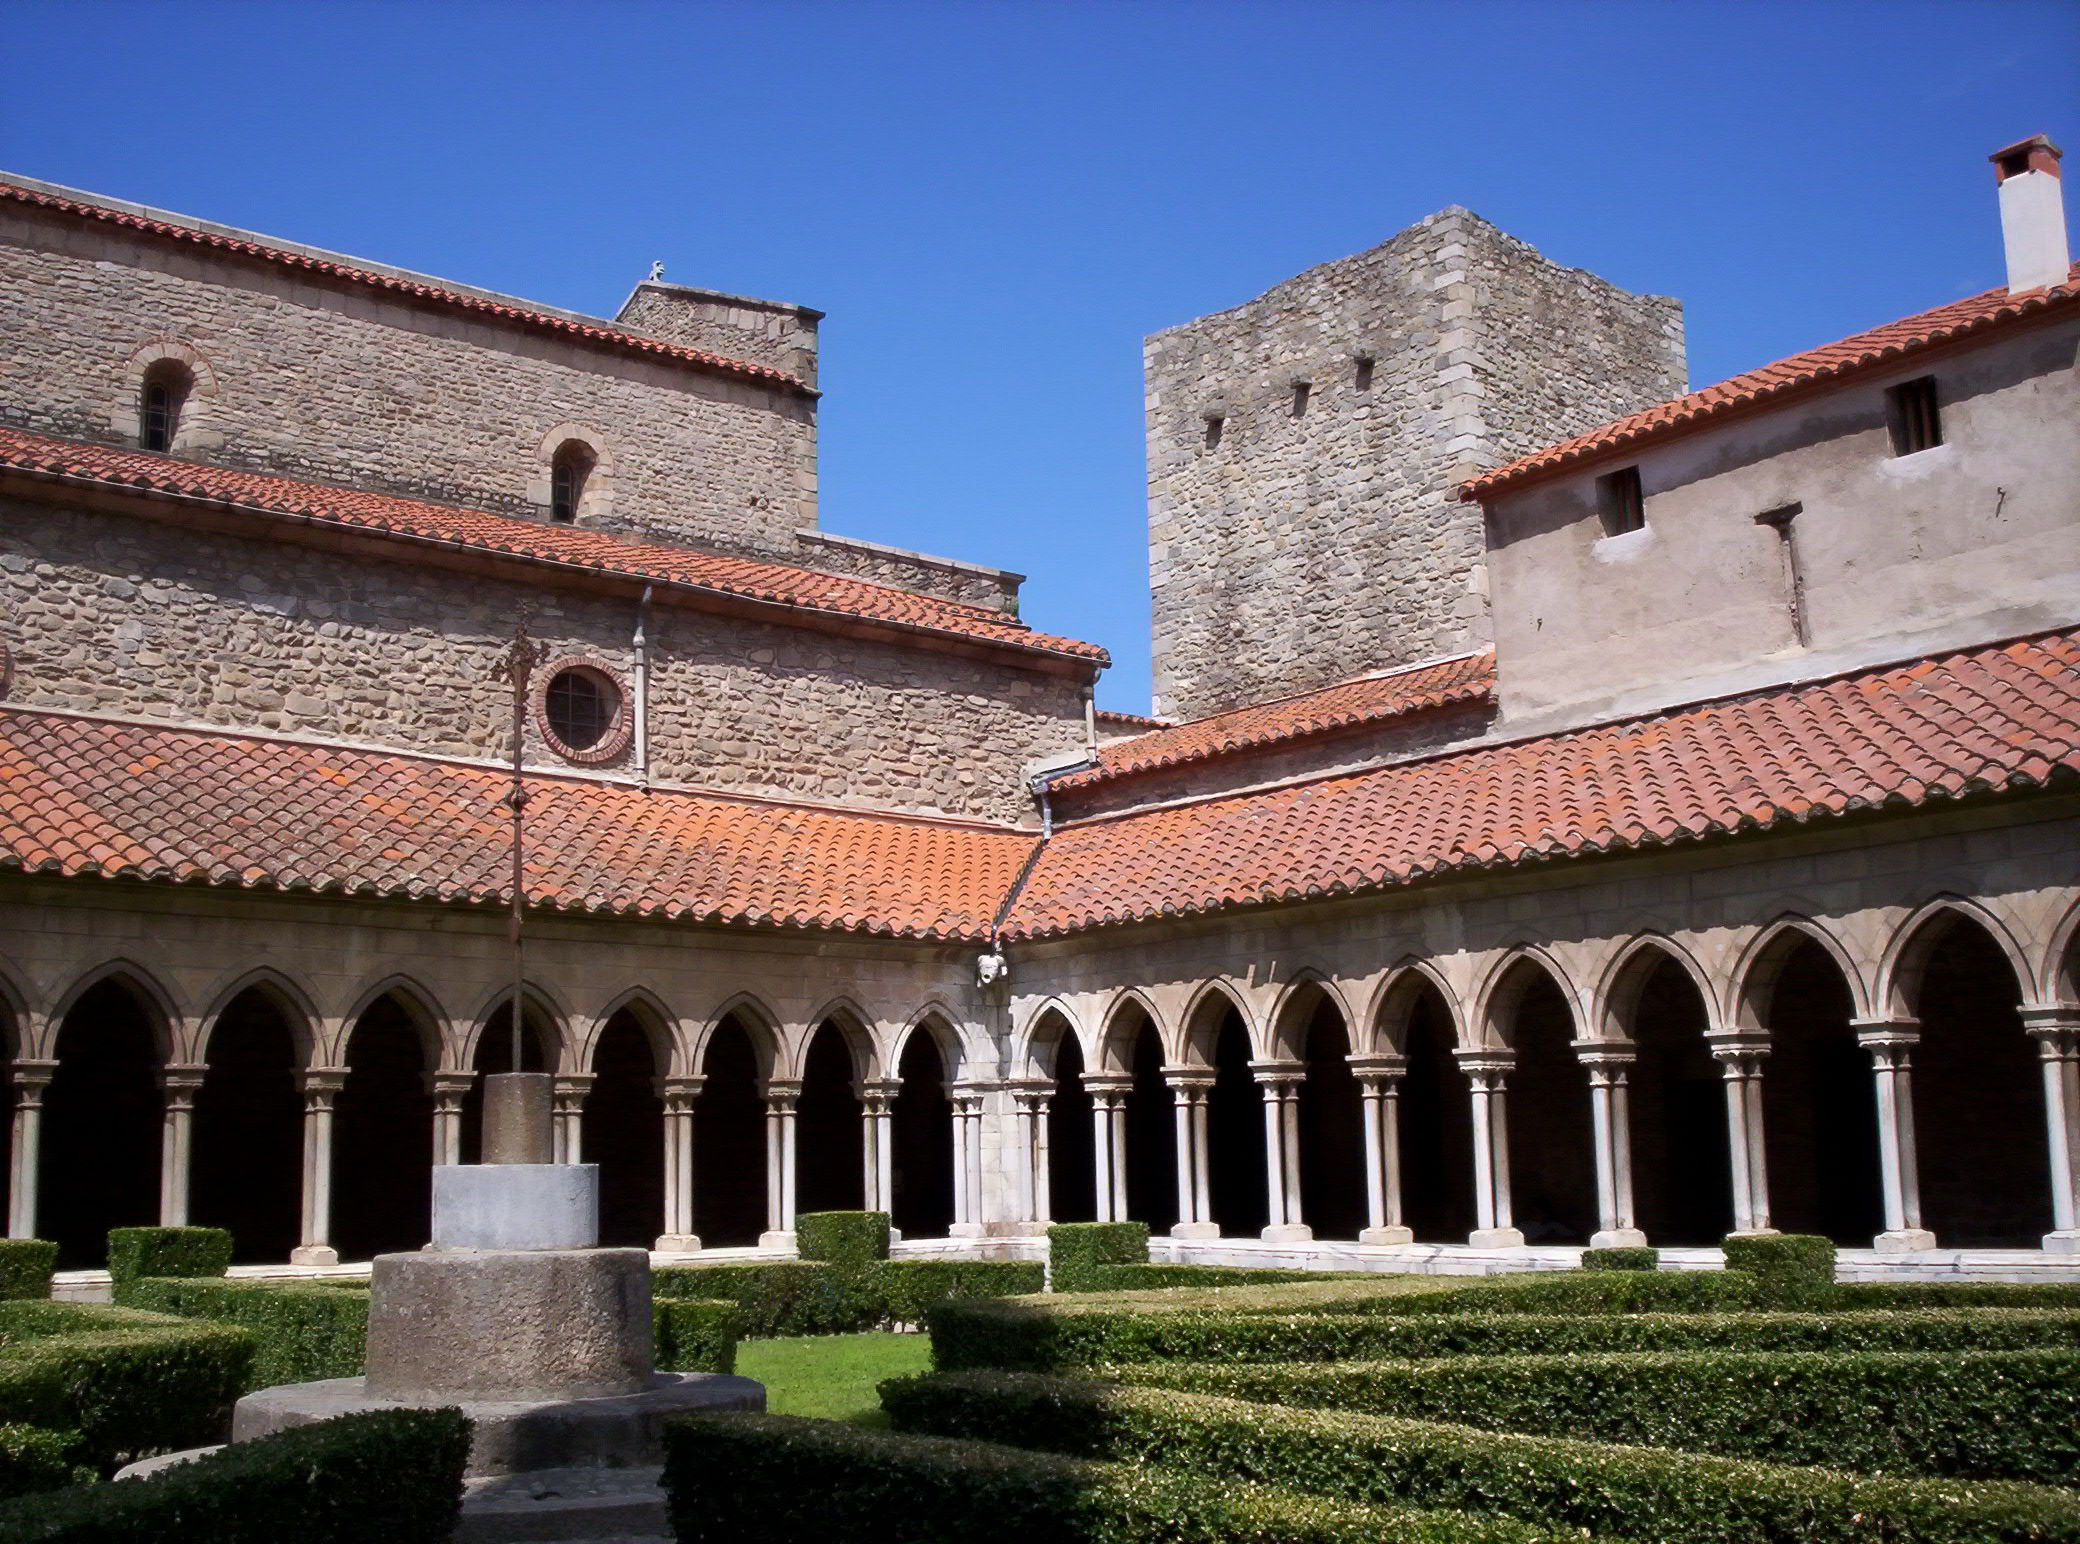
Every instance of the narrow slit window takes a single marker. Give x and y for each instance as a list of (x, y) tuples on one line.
[(1361, 375), (1619, 502), (567, 477), (1301, 391), (165, 394), (1917, 422), (1215, 425)]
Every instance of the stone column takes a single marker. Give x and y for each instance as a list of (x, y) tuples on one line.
[(1108, 1091), (319, 1087), (1609, 1063), (179, 1082), (2056, 1029), (1279, 1084), (877, 1098), (1189, 1087), (1379, 1085), (1032, 1101), (448, 1090), (971, 1201), (567, 1096), (1487, 1071), (31, 1078), (1740, 1059), (780, 1097), (1891, 1043), (679, 1094)]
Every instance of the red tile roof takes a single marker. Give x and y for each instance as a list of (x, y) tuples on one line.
[(1366, 700), (82, 796), (1993, 720), (411, 288), (561, 545), (1885, 345)]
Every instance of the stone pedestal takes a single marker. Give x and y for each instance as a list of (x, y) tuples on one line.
[(509, 1324), (1387, 1235), (1196, 1230), (516, 1206)]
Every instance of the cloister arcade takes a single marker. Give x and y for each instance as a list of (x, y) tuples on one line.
[(1918, 1094), (312, 1144)]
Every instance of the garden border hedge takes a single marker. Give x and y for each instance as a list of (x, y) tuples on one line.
[(303, 1330), (1077, 1250), (381, 1477), (183, 1252), (1646, 1495), (809, 1297), (734, 1477), (1976, 1415), (26, 1265), (695, 1334)]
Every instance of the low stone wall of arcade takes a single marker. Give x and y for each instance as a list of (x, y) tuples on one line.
[(1866, 1030), (292, 1067)]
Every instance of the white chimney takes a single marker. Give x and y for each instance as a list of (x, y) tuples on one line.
[(2033, 214)]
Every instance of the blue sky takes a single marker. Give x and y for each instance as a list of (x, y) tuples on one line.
[(996, 201)]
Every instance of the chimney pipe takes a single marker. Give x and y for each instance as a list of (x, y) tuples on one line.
[(2033, 213)]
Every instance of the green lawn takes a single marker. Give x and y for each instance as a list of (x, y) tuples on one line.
[(832, 1376)]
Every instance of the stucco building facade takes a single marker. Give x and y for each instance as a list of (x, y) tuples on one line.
[(1585, 811)]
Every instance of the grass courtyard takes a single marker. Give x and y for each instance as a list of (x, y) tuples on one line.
[(833, 1376)]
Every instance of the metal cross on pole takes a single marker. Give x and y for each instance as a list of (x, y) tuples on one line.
[(516, 666)]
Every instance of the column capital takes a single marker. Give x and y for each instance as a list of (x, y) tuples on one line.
[(2055, 1027), (1101, 1085), (1278, 1074), (571, 1082), (1377, 1065), (877, 1088), (780, 1095), (1605, 1053), (32, 1073), (320, 1082), (1891, 1033), (1486, 1063), (179, 1081), (449, 1088), (1184, 1076), (1738, 1052)]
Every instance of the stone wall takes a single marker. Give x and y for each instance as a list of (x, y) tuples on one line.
[(768, 332), (972, 584), (1317, 538), (313, 378), (129, 616)]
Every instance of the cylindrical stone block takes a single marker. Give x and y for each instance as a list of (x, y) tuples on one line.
[(515, 1205), (533, 1324), (518, 1107)]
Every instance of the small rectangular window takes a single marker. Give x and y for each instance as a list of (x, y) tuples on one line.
[(1917, 424), (1619, 502), (1214, 425), (1361, 377), (1300, 394)]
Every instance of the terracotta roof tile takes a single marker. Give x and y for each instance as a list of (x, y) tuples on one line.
[(1366, 700), (568, 546), (1879, 346), (415, 289), (82, 796), (1995, 719)]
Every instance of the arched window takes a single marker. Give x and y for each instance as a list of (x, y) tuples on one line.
[(166, 387), (567, 476)]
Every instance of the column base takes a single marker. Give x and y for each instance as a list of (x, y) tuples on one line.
[(2066, 1241), (1904, 1241), (1772, 1233), (1387, 1236), (1196, 1230), (895, 1235), (1495, 1238), (1287, 1233), (678, 1243), (966, 1230), (1617, 1238), (314, 1254), (776, 1240)]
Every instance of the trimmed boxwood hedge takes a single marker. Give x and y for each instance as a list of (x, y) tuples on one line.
[(34, 1459), (1030, 1334), (1794, 1268), (1627, 1258), (128, 1383), (1983, 1415), (25, 1267), (842, 1238), (1644, 1495), (695, 1334), (795, 1481), (1076, 1250), (385, 1477), (808, 1297), (303, 1330), (187, 1252), (1954, 1294), (1133, 1278)]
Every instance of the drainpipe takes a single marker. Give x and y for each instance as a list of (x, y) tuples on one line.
[(640, 684), (991, 968)]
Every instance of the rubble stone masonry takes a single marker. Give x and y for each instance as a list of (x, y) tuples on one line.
[(128, 616), (1312, 535)]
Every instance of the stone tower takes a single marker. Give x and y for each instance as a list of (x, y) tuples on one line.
[(1302, 450)]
